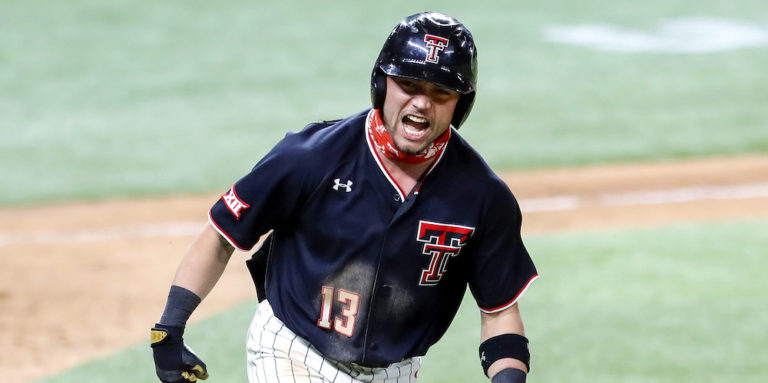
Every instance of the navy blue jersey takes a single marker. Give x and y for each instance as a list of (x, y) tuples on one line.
[(367, 273)]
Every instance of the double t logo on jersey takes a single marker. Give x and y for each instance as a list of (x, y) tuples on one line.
[(441, 242)]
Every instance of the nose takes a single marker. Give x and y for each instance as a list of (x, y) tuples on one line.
[(422, 101)]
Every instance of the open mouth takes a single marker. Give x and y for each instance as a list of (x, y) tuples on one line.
[(415, 127)]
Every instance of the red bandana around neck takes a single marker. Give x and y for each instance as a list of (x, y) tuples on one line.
[(384, 143)]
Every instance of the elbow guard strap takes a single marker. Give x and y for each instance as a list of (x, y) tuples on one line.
[(504, 346)]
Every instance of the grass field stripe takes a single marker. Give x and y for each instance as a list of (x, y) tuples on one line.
[(530, 205), (648, 197)]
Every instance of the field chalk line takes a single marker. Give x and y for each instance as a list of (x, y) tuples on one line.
[(530, 205)]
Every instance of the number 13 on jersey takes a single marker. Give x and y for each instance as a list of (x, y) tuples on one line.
[(344, 323)]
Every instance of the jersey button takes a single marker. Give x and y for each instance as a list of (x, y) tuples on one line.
[(397, 198)]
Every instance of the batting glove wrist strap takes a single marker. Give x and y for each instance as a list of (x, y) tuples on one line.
[(509, 375), (504, 346), (175, 361)]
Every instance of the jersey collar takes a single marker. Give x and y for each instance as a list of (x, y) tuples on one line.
[(373, 122)]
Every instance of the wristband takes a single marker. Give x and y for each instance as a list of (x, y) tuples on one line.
[(179, 307)]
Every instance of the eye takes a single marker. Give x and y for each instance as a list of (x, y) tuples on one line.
[(444, 94), (408, 85)]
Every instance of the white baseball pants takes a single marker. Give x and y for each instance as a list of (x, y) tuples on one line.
[(276, 355)]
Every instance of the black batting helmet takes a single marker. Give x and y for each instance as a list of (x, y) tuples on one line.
[(432, 47)]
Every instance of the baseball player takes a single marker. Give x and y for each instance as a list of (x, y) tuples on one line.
[(378, 224)]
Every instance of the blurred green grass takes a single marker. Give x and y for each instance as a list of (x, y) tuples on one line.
[(128, 98), (664, 305)]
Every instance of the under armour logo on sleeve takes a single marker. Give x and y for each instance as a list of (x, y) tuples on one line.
[(347, 186)]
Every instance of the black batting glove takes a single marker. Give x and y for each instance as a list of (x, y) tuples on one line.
[(174, 361)]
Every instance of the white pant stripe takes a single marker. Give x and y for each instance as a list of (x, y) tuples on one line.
[(275, 354)]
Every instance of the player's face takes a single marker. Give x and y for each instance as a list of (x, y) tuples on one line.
[(416, 112)]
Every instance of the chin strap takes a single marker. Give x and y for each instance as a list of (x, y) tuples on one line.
[(384, 143)]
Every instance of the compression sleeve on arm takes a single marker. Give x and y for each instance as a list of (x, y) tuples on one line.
[(179, 307)]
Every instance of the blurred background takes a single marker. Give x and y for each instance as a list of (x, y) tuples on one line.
[(134, 98), (125, 100)]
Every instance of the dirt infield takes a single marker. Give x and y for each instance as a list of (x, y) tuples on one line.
[(84, 279)]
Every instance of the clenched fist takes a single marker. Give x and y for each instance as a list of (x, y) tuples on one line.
[(174, 361)]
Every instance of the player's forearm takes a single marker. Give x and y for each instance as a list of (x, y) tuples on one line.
[(498, 324), (204, 263), (507, 321)]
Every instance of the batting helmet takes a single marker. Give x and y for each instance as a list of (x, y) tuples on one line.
[(432, 47)]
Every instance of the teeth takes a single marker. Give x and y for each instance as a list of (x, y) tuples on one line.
[(412, 131), (417, 119)]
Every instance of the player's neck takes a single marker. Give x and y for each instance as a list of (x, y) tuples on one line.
[(406, 175)]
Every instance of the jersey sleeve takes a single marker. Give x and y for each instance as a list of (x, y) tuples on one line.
[(502, 270), (267, 197)]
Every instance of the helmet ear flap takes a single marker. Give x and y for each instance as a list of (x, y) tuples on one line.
[(378, 88), (462, 109)]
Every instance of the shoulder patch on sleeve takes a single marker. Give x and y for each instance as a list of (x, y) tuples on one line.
[(235, 205)]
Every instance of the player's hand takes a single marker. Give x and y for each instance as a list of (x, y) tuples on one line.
[(174, 361)]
